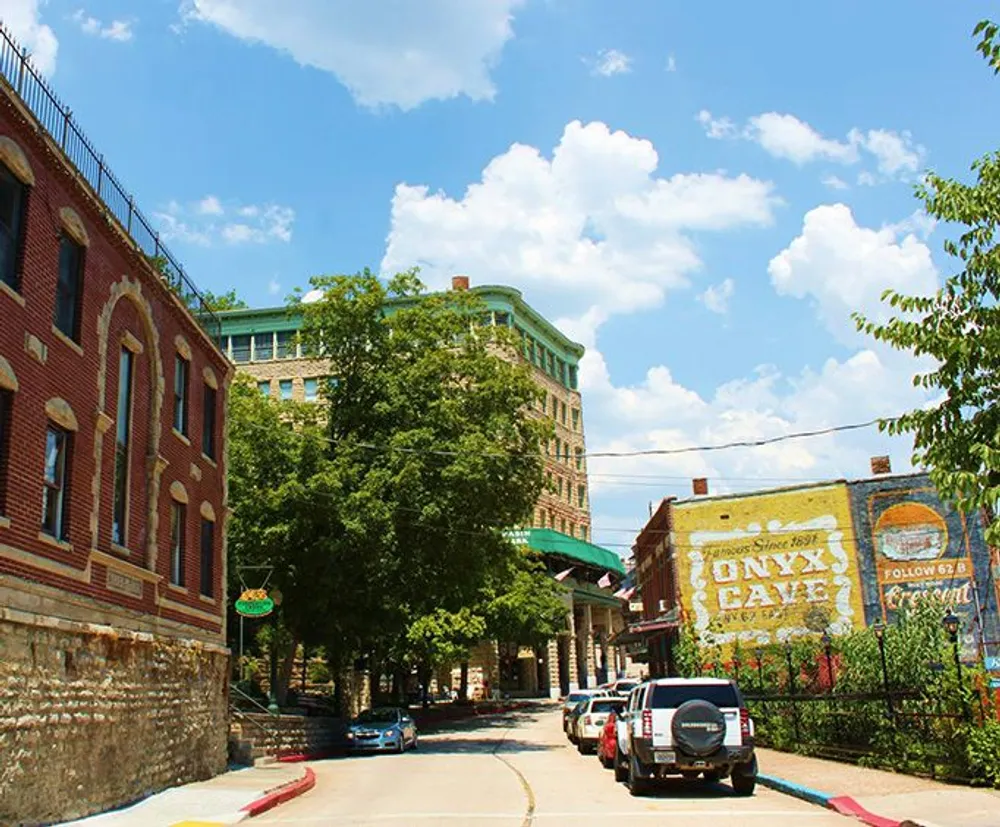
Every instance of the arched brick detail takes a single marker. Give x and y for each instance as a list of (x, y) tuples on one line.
[(132, 290), (73, 224), (8, 379), (16, 161), (59, 411)]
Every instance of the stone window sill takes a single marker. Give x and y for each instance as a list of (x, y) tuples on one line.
[(10, 291), (204, 598), (66, 340), (181, 437), (176, 588), (209, 460), (120, 551), (4, 522), (49, 540)]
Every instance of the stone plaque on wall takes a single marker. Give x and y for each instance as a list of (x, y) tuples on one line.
[(123, 584)]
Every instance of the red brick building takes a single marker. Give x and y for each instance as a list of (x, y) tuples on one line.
[(112, 487)]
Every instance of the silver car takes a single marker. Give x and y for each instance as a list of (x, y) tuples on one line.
[(382, 730)]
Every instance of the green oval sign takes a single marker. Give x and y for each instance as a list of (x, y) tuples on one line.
[(255, 608)]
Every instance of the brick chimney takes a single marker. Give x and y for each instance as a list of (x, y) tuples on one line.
[(459, 282), (699, 486), (881, 465)]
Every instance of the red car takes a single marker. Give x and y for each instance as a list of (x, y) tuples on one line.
[(607, 743)]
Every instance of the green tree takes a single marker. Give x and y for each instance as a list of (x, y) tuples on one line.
[(958, 438), (432, 447), (224, 301), (442, 638), (525, 605)]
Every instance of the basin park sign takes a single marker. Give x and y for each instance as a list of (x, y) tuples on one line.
[(254, 603)]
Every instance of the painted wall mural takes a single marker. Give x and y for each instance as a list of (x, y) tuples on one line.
[(770, 566), (912, 545)]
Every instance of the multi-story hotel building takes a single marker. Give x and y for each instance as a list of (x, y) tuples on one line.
[(263, 343), (113, 664)]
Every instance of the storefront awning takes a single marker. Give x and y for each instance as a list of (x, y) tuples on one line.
[(548, 541)]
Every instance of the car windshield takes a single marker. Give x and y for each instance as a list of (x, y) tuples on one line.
[(671, 696), (607, 705), (626, 687), (576, 697), (377, 716)]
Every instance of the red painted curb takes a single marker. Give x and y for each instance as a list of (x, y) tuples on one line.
[(286, 793), (847, 806), (298, 757)]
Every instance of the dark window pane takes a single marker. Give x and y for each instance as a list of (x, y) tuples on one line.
[(207, 556), (241, 348), (181, 394), (67, 310), (13, 199), (263, 346), (122, 432), (54, 486), (177, 543), (286, 344), (672, 696), (208, 423)]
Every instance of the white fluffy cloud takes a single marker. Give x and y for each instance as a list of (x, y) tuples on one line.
[(716, 296), (208, 220), (593, 223), (612, 62), (785, 136), (119, 30), (22, 19), (845, 268), (384, 52)]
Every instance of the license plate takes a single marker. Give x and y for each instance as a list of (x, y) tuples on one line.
[(664, 757)]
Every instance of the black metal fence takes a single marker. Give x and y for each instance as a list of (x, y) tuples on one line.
[(57, 120)]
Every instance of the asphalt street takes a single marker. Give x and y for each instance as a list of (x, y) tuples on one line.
[(516, 772)]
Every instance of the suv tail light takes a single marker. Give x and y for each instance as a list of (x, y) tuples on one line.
[(647, 723), (587, 720), (745, 725)]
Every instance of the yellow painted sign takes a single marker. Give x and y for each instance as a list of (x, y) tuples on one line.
[(763, 568)]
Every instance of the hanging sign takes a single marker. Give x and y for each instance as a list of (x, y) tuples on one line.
[(254, 603)]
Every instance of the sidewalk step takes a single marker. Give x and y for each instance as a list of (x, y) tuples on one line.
[(265, 760)]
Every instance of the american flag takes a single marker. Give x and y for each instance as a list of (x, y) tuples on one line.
[(564, 574), (605, 582)]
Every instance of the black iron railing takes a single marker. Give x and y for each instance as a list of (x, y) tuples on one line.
[(57, 120)]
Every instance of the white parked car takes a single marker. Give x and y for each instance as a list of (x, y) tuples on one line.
[(572, 699), (686, 726), (588, 725)]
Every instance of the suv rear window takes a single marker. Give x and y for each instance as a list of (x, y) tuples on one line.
[(607, 705), (672, 696)]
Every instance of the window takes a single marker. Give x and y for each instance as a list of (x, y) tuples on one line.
[(562, 525), (67, 310), (581, 495), (13, 203), (560, 486), (178, 525), (579, 459), (286, 344), (583, 532), (241, 348), (208, 421), (562, 372), (123, 429), (54, 490), (562, 412), (501, 320), (555, 407), (6, 403), (182, 369), (285, 388), (311, 389), (264, 388), (207, 557), (263, 346), (572, 377), (576, 419), (552, 363)]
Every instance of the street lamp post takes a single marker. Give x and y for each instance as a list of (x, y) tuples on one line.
[(951, 623), (759, 654), (272, 705), (791, 689), (827, 640), (878, 629)]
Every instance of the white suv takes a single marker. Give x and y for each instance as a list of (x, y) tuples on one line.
[(688, 727)]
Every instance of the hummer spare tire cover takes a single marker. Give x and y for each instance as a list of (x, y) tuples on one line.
[(699, 728)]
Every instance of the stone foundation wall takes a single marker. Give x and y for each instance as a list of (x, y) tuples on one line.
[(291, 734), (91, 718)]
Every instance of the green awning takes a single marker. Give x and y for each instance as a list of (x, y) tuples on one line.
[(548, 541)]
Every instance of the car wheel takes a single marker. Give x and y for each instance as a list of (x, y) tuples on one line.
[(636, 785), (744, 778), (414, 744), (401, 746), (621, 769), (581, 747)]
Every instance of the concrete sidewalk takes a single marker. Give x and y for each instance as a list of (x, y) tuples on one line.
[(224, 799), (893, 796)]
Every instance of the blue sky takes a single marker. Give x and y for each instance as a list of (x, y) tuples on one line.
[(701, 196)]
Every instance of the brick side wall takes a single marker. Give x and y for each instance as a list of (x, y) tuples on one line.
[(91, 718), (122, 298)]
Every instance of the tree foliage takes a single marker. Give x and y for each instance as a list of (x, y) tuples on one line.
[(224, 301), (525, 605), (958, 437)]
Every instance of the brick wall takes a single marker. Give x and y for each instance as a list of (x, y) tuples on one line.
[(91, 718), (123, 301)]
